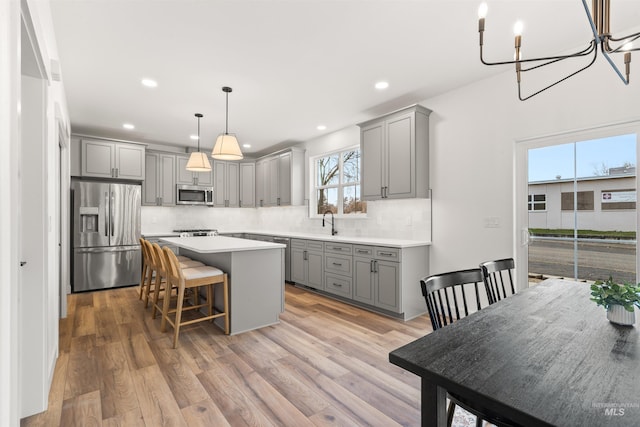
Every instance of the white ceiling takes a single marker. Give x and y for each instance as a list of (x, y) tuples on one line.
[(292, 64)]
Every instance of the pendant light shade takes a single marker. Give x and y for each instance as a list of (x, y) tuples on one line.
[(227, 147), (198, 162)]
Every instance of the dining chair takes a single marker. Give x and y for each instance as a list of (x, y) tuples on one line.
[(192, 278), (497, 274), (451, 297)]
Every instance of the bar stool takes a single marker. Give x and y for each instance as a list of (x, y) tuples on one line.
[(149, 268), (160, 284), (192, 278)]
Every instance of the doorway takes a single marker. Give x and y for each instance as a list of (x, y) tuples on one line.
[(576, 205)]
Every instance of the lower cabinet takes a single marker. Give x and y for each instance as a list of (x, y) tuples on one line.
[(307, 263), (377, 282)]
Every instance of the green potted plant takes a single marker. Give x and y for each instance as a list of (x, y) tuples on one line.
[(618, 299)]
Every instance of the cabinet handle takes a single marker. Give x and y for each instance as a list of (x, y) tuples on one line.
[(338, 264), (371, 270), (304, 256), (278, 201), (117, 172), (337, 249), (160, 200), (382, 192), (386, 254), (375, 266), (240, 203), (337, 284), (362, 251)]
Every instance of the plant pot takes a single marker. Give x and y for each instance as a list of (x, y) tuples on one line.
[(617, 314)]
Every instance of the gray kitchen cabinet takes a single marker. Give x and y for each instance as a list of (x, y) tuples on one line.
[(307, 263), (261, 183), (377, 277), (247, 185), (109, 159), (338, 269), (183, 176), (159, 188), (282, 178), (226, 183), (395, 155)]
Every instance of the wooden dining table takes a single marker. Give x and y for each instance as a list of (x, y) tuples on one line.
[(546, 356)]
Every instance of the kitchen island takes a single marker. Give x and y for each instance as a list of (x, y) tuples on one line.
[(256, 276)]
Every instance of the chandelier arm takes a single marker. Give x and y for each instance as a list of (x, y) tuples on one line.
[(615, 67), (628, 38), (621, 48), (559, 81), (584, 52)]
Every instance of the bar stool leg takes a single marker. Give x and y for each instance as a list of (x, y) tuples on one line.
[(178, 318)]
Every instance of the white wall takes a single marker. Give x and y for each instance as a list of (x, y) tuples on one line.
[(473, 132)]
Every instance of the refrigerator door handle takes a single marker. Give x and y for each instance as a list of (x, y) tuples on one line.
[(112, 213), (106, 217)]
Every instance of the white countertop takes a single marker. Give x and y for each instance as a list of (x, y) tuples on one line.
[(216, 244), (371, 241)]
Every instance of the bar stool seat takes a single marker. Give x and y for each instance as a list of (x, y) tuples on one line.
[(190, 264)]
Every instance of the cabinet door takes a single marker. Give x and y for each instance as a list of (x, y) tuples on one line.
[(387, 289), (273, 180), (219, 183), (183, 176), (372, 140), (247, 185), (150, 189), (97, 159), (284, 180), (362, 280), (204, 178), (315, 267), (129, 161), (233, 184), (166, 180), (400, 153), (298, 264), (260, 183)]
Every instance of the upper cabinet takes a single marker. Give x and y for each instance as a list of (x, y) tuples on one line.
[(107, 159), (280, 179), (183, 176), (247, 185), (395, 155), (226, 184), (159, 186)]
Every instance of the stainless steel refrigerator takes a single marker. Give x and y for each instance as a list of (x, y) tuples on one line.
[(106, 233)]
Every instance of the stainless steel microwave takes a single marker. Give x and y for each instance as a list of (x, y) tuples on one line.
[(194, 195)]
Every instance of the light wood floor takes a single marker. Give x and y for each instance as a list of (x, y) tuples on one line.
[(324, 364)]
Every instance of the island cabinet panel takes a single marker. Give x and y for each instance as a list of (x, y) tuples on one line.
[(109, 159), (395, 155)]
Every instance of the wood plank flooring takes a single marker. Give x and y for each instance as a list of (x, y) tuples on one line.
[(324, 364)]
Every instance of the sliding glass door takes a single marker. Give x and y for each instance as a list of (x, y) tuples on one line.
[(576, 206)]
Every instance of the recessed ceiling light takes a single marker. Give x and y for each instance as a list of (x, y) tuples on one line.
[(149, 83), (382, 85), (246, 145), (194, 137), (128, 126), (321, 127)]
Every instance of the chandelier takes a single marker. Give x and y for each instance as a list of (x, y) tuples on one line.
[(599, 20)]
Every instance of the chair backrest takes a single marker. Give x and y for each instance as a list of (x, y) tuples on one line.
[(172, 267), (148, 251), (159, 259), (443, 292), (498, 278), (143, 249)]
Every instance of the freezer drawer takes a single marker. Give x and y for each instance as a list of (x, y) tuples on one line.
[(100, 268)]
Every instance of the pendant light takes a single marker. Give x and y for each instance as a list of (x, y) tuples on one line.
[(198, 162), (227, 147)]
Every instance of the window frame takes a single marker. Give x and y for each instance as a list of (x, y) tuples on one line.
[(314, 187), (532, 202)]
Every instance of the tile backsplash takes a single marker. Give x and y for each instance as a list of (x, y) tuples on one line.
[(399, 219)]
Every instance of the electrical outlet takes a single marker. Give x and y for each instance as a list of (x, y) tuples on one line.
[(491, 222)]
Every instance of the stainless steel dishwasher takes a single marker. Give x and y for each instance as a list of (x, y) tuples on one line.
[(287, 256)]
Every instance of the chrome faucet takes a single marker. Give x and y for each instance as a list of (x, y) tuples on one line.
[(333, 229)]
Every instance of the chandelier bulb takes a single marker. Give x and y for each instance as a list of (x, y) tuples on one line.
[(517, 28), (482, 10)]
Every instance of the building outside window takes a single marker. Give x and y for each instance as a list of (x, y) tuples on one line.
[(585, 201), (337, 183), (537, 202)]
